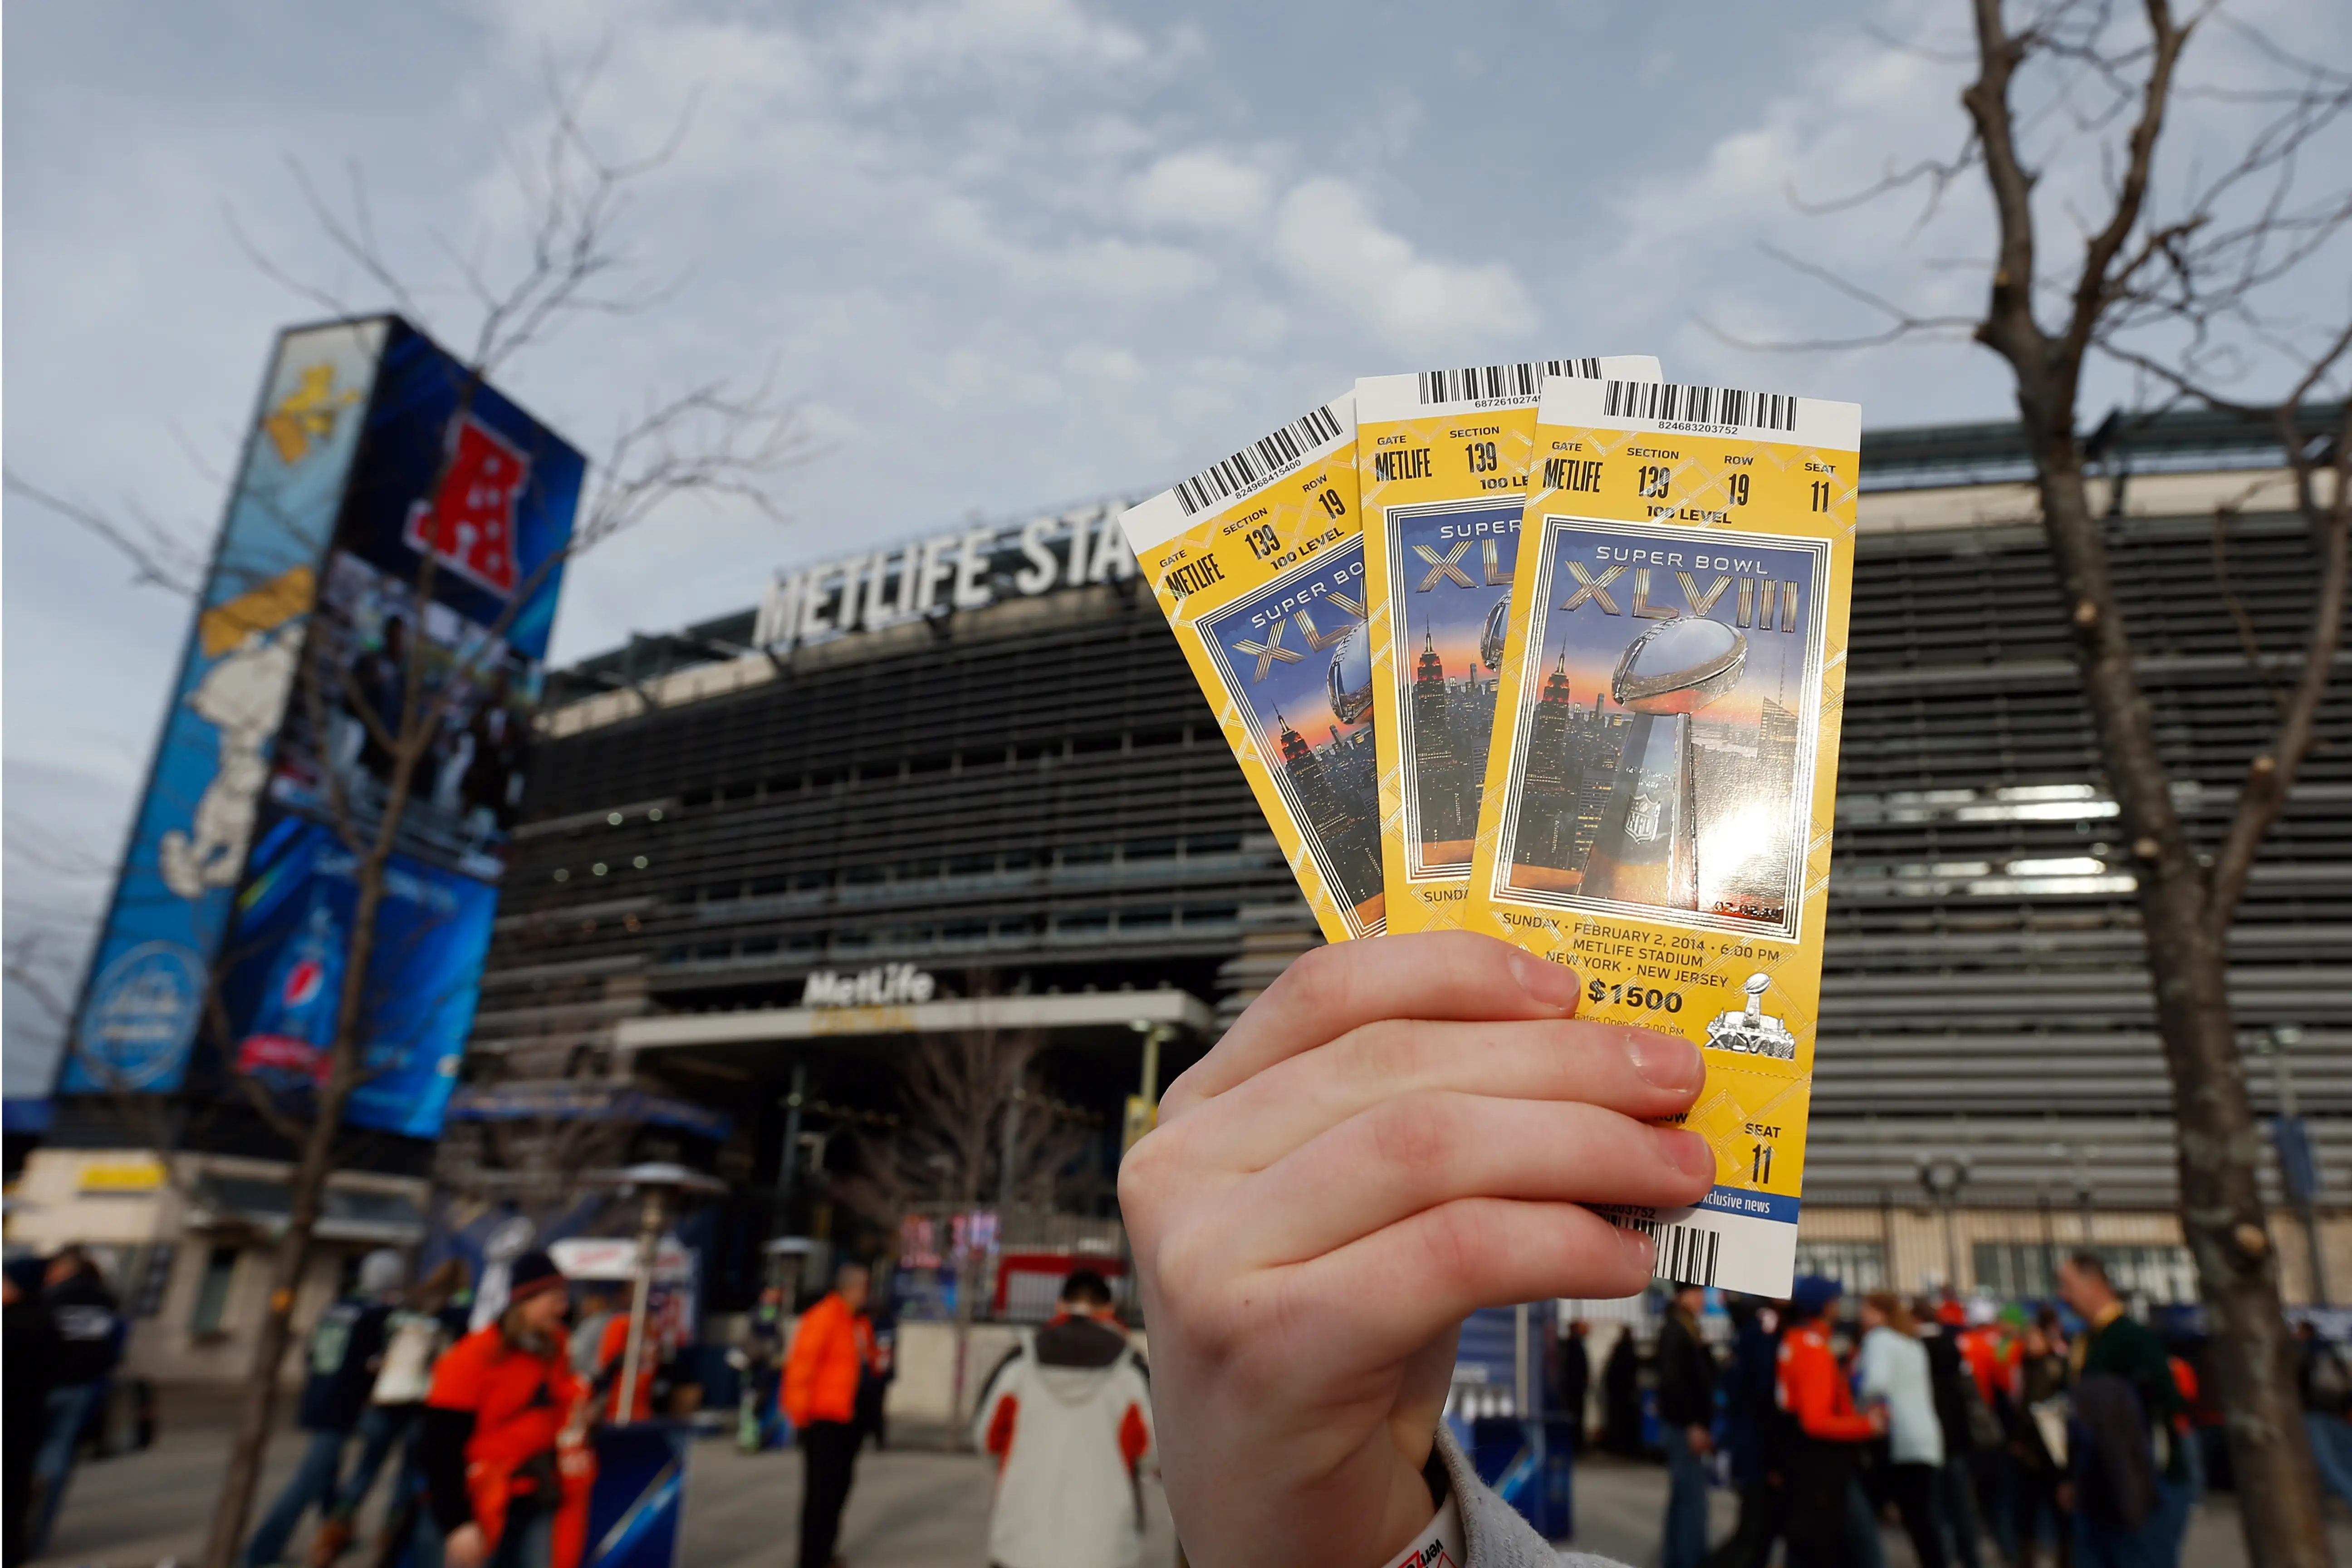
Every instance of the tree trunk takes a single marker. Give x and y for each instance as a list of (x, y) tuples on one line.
[(258, 1408), (2217, 1144), (305, 1197)]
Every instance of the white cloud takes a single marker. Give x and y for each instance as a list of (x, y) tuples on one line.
[(1328, 242), (913, 51), (1689, 247), (1688, 250), (1201, 188)]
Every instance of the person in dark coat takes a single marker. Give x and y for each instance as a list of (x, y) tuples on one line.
[(498, 754), (2129, 1476), (881, 1369), (381, 677), (1575, 1377), (1750, 1410), (1620, 1397), (2324, 1383), (88, 1327), (1686, 1376), (2038, 1472), (345, 1352), (30, 1357), (1954, 1389)]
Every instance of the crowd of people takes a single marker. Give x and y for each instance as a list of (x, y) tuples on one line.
[(2077, 1436), (486, 1432), (2029, 1433)]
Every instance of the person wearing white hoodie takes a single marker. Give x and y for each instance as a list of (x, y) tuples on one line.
[(1068, 1418), (1891, 1371)]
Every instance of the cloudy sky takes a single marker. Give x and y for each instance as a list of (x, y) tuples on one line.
[(1003, 254)]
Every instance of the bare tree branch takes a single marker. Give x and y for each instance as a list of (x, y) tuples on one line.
[(158, 558), (1904, 323), (2270, 774)]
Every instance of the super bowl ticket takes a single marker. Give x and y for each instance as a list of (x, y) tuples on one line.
[(1258, 561), (1442, 476), (1662, 772)]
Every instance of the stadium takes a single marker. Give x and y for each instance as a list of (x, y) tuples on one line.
[(965, 789)]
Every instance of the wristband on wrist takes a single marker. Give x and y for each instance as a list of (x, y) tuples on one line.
[(1439, 1544)]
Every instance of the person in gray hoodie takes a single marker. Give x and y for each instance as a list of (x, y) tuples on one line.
[(1395, 1133)]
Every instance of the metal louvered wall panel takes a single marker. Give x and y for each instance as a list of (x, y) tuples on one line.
[(1984, 956), (1056, 806)]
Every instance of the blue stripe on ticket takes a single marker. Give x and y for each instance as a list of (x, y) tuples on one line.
[(1753, 1204)]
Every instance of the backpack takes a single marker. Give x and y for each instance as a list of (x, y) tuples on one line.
[(1985, 1434)]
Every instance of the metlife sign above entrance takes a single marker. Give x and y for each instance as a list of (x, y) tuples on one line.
[(968, 569)]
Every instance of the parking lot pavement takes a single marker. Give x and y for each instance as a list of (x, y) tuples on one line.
[(911, 1509)]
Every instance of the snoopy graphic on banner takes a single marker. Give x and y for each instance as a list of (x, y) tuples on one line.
[(242, 697)]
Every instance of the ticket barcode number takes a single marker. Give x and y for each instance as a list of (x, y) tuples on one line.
[(1686, 1253), (1259, 461), (1676, 403), (1524, 379)]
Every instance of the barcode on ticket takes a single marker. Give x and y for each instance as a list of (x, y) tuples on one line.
[(1674, 403), (1524, 379), (1686, 1253), (1259, 461)]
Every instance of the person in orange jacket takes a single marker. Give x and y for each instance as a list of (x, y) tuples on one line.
[(820, 1398), (1819, 1458), (612, 1350), (504, 1448)]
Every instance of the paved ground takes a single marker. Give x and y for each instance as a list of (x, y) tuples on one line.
[(912, 1510)]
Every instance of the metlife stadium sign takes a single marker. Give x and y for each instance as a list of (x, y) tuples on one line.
[(967, 569)]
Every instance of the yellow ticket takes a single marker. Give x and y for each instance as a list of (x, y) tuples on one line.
[(1663, 772), (1258, 561), (1444, 473)]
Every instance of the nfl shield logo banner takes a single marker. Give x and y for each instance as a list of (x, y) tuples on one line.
[(470, 524)]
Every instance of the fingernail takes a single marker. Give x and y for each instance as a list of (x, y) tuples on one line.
[(1555, 983), (1664, 1061), (1689, 1151), (1640, 1250)]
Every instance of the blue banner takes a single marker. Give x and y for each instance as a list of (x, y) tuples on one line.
[(145, 996), (450, 471), (282, 976), (497, 526)]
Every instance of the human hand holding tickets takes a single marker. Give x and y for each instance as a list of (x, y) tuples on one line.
[(1397, 1132)]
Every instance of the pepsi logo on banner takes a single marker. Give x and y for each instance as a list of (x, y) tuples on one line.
[(302, 983)]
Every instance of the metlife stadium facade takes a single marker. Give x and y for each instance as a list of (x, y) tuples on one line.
[(969, 785)]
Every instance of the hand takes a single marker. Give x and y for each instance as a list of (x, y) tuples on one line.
[(465, 1548), (1878, 1419), (1397, 1132), (1702, 1441)]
